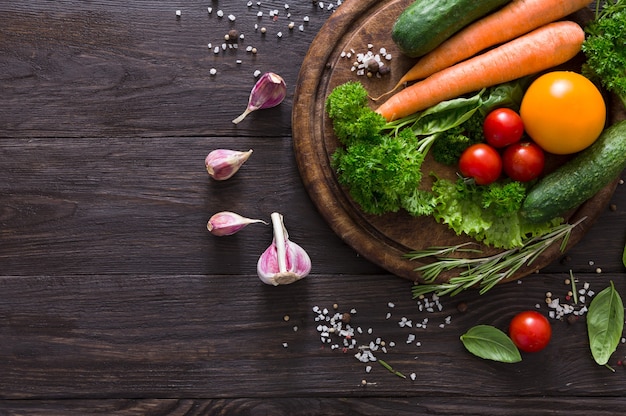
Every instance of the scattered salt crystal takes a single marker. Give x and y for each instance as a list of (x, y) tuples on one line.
[(231, 17), (209, 10), (220, 13), (306, 18), (216, 49), (213, 71), (285, 345), (413, 376), (257, 73), (368, 368), (279, 34), (178, 13)]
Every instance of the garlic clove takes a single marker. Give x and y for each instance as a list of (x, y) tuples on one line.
[(228, 223), (222, 164), (269, 91), (284, 261)]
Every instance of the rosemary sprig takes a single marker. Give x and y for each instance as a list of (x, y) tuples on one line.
[(484, 272), (391, 369)]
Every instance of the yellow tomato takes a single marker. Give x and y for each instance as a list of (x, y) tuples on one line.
[(563, 112)]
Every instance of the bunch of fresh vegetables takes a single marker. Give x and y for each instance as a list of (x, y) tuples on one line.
[(382, 151)]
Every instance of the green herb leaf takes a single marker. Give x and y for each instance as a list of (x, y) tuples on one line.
[(490, 343), (605, 323), (624, 256)]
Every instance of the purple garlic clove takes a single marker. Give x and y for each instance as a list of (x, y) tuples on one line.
[(223, 163), (228, 223), (284, 261), (269, 91)]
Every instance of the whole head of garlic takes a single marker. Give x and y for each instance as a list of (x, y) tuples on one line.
[(284, 261)]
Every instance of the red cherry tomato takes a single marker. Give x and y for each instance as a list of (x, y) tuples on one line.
[(530, 331), (523, 161), (481, 162), (503, 127)]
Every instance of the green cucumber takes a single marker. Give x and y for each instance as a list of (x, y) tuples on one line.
[(425, 24), (578, 179)]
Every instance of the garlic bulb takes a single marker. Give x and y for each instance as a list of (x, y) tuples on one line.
[(221, 164), (284, 261), (228, 223), (269, 91)]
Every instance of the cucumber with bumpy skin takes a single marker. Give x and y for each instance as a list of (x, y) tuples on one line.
[(425, 24), (578, 179)]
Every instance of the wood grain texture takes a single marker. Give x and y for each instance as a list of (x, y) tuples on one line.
[(300, 406), (107, 336), (114, 298)]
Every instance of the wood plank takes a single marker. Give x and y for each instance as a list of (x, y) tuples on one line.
[(172, 336), (116, 68), (140, 206), (86, 205), (357, 406)]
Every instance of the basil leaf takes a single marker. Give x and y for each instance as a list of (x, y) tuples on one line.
[(605, 323), (624, 256), (490, 343)]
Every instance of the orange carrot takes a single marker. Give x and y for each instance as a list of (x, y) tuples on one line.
[(541, 49), (515, 19)]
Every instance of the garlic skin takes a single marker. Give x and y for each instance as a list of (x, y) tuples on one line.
[(221, 164), (228, 223), (284, 261), (269, 91)]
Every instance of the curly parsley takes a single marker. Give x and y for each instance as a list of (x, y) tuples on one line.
[(605, 48)]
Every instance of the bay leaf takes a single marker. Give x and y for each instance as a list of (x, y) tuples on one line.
[(605, 323), (490, 343)]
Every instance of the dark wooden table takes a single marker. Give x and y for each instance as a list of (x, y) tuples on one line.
[(114, 298)]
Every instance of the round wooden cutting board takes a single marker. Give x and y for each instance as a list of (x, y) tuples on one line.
[(383, 239)]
